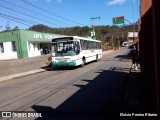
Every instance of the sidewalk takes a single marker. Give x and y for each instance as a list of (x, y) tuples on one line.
[(14, 68), (10, 69), (133, 100)]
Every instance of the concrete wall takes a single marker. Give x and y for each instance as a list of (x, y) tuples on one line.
[(32, 39), (6, 38), (145, 5), (8, 52), (156, 44), (33, 49), (149, 53)]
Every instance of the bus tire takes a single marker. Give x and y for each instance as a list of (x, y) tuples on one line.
[(97, 58)]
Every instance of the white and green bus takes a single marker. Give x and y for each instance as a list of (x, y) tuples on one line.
[(74, 51)]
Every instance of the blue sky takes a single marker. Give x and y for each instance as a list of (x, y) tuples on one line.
[(65, 13)]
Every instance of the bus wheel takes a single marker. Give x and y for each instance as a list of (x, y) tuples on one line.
[(97, 58), (83, 62)]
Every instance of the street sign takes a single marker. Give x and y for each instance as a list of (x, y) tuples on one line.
[(118, 20)]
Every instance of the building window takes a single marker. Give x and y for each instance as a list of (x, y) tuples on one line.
[(29, 46), (1, 48), (38, 44), (14, 46), (34, 46)]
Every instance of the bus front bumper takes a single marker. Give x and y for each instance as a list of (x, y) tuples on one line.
[(63, 63)]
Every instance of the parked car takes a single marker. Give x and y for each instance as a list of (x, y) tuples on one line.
[(125, 44)]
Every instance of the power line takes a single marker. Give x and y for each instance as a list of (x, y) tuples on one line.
[(51, 12), (28, 15), (77, 7), (93, 18), (137, 10), (80, 9), (23, 20), (33, 12), (14, 20), (133, 10)]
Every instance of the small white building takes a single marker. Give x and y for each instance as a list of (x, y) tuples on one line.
[(132, 36), (23, 43), (8, 50)]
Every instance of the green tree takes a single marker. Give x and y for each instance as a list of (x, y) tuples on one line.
[(103, 33)]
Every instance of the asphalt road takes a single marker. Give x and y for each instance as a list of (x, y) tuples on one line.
[(94, 91)]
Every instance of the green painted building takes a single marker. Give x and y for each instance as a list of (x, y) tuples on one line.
[(24, 43)]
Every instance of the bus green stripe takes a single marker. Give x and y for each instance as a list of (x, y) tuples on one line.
[(63, 63)]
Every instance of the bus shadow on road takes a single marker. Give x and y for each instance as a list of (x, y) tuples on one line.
[(100, 98), (50, 68), (59, 68)]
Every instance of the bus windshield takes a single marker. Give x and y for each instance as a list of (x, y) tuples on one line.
[(65, 48)]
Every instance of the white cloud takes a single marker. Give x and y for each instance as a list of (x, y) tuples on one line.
[(58, 1), (116, 2)]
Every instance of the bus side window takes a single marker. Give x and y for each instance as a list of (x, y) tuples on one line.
[(86, 45), (98, 46), (77, 48), (94, 45), (82, 45)]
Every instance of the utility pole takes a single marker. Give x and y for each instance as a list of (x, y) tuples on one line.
[(118, 42), (112, 42), (133, 29), (93, 29), (7, 25)]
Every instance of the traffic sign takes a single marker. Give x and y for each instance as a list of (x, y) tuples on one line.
[(118, 20)]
